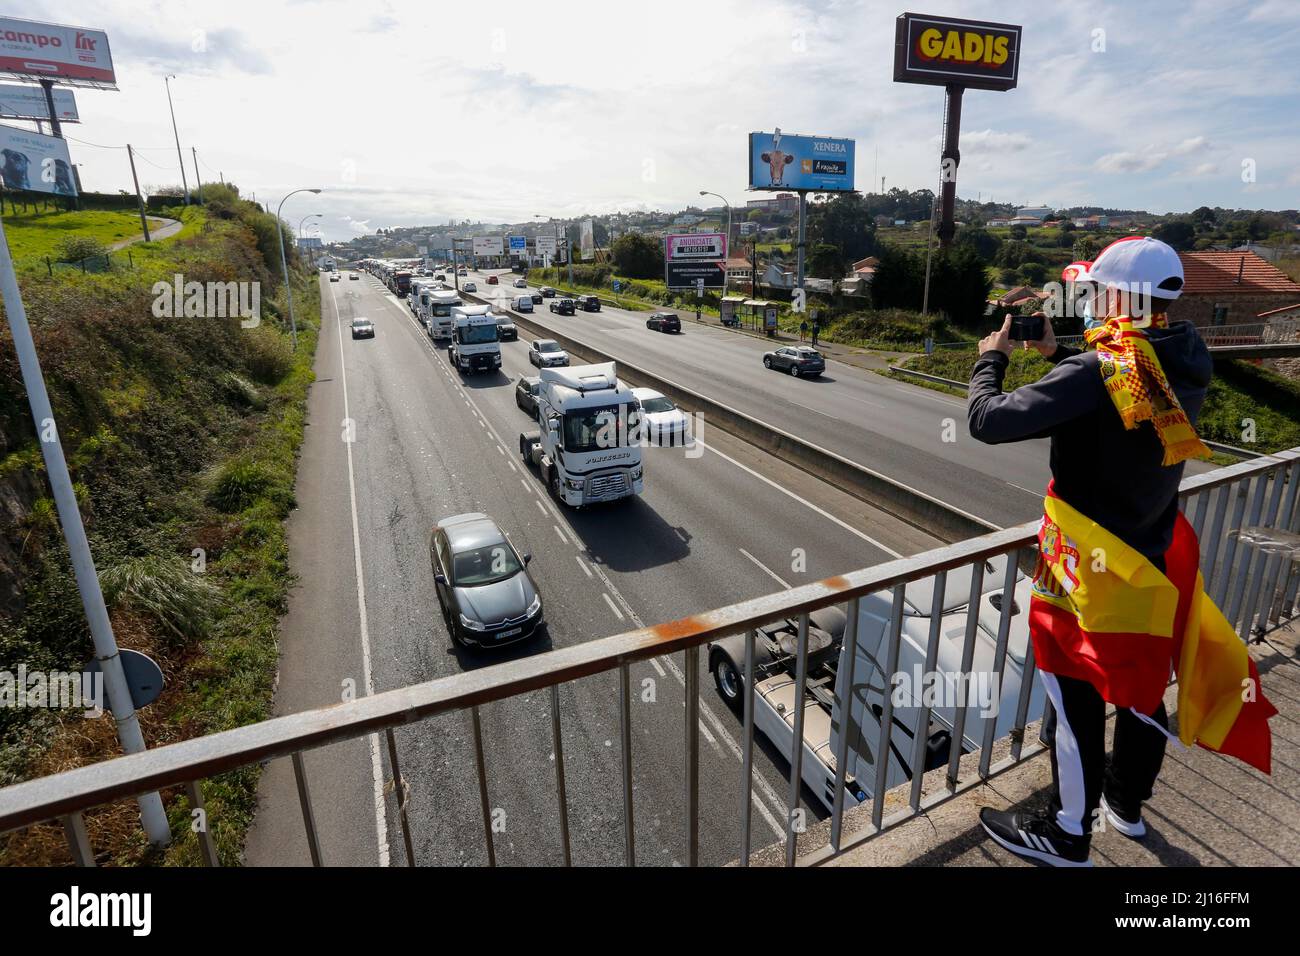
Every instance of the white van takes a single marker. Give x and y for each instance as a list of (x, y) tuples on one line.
[(522, 303)]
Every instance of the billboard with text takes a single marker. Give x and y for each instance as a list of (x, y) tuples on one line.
[(545, 245), (696, 245), (799, 163), (948, 50), (28, 103), (36, 162), (71, 55), (487, 245)]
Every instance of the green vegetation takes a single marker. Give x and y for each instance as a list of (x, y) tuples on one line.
[(1240, 393), (34, 235), (182, 436)]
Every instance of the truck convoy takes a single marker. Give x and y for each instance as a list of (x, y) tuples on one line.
[(587, 448), (475, 345), (929, 685)]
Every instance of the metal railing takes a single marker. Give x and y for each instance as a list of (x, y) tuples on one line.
[(1250, 557)]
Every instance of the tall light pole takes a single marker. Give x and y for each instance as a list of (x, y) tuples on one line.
[(705, 192), (284, 263), (314, 215), (179, 159)]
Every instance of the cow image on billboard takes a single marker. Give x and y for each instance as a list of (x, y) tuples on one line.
[(35, 162), (949, 51), (71, 55), (800, 163)]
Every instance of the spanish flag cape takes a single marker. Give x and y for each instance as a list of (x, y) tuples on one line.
[(1101, 612)]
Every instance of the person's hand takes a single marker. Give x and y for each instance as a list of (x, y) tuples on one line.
[(999, 341), (1047, 344)]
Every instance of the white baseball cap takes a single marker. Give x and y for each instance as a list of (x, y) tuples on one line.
[(1130, 263)]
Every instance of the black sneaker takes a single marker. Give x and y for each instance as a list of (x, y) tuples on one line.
[(1126, 821), (1035, 837)]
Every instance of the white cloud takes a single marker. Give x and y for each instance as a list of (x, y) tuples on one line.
[(1129, 162)]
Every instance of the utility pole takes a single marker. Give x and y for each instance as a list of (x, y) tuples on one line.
[(144, 220), (198, 182), (175, 132), (120, 703)]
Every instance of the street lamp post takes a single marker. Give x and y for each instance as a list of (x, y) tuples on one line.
[(284, 262), (705, 192), (179, 159), (314, 215)]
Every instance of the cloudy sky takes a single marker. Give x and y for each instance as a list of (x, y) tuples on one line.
[(413, 113)]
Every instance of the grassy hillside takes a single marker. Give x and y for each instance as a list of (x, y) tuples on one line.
[(182, 436), (1239, 392)]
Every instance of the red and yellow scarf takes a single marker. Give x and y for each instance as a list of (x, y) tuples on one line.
[(1141, 392)]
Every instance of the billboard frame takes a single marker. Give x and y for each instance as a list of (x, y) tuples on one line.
[(56, 76), (800, 185)]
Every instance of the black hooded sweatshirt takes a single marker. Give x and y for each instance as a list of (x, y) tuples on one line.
[(1110, 474)]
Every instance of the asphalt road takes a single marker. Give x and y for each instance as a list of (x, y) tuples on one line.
[(712, 527)]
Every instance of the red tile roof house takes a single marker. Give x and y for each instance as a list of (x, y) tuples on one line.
[(1241, 284), (1018, 296)]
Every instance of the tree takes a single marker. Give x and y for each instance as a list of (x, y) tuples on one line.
[(1033, 273), (844, 222), (827, 261), (1179, 233), (1015, 253), (1085, 248), (959, 284), (984, 243), (638, 256), (1019, 232)]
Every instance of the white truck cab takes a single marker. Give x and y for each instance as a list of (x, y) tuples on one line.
[(587, 447), (475, 342), (988, 693), (438, 315)]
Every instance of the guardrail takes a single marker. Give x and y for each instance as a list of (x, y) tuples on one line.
[(1225, 339), (1249, 556)]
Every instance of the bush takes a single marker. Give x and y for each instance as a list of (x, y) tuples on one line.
[(239, 484), (268, 355), (77, 248), (163, 589)]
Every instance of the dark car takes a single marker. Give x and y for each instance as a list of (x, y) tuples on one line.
[(664, 322), (562, 306), (537, 298), (487, 596), (363, 328), (589, 303), (797, 360), (506, 330), (547, 292), (526, 390)]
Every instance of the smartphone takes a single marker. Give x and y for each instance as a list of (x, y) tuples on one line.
[(1027, 328)]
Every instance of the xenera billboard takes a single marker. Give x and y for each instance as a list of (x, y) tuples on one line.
[(946, 50), (71, 55), (487, 245), (28, 103), (813, 163), (35, 162), (695, 245)]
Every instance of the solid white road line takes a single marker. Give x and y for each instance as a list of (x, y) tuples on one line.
[(377, 765), (772, 574)]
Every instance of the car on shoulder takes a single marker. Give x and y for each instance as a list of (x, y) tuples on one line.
[(526, 390), (664, 322), (506, 331), (523, 303), (521, 283), (487, 597), (547, 292), (492, 280), (546, 353), (663, 423), (562, 306), (362, 328), (588, 303), (795, 359), (468, 287)]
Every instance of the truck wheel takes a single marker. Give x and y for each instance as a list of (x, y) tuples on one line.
[(554, 486), (728, 680)]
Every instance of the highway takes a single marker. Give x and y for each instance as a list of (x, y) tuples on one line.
[(713, 527)]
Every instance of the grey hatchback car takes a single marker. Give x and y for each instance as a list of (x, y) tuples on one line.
[(488, 598)]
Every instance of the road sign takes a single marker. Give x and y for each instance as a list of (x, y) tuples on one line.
[(143, 676), (616, 285), (685, 274), (518, 243), (699, 287)]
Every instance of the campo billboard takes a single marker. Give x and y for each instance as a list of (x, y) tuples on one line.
[(36, 162), (946, 50), (28, 103), (811, 163), (71, 55)]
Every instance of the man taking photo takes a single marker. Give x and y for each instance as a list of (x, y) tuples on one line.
[(1117, 571)]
